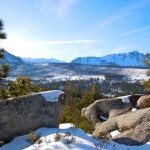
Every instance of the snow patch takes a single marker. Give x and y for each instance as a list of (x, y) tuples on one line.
[(134, 109), (66, 125), (51, 96), (104, 118), (125, 99), (114, 133)]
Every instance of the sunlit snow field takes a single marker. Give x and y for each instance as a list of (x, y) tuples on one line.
[(82, 141)]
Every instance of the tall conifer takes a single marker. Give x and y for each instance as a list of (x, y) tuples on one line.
[(4, 67)]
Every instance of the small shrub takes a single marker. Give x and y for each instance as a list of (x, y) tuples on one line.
[(67, 138), (39, 141), (47, 141), (57, 137), (102, 141), (33, 137)]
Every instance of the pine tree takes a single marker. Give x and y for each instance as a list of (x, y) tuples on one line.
[(69, 94), (5, 67), (74, 106), (21, 86), (97, 94), (92, 95), (147, 83)]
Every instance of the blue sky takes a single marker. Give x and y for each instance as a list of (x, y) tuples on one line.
[(66, 29)]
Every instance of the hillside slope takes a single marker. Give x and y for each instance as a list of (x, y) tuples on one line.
[(11, 59)]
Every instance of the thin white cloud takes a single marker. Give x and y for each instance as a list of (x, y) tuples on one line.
[(113, 19), (136, 31), (63, 42), (124, 12), (63, 49), (60, 8), (122, 49)]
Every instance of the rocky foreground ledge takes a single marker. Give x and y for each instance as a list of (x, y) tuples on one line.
[(20, 115)]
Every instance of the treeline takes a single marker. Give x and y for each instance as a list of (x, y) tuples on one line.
[(21, 86), (107, 86)]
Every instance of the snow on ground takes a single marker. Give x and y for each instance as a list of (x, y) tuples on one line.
[(114, 133), (51, 96), (76, 77), (134, 73), (134, 109), (82, 141)]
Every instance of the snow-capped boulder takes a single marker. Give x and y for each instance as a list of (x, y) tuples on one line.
[(20, 115)]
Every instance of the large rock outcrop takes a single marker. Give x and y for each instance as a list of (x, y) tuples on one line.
[(138, 135), (109, 108), (134, 126), (127, 124), (20, 115)]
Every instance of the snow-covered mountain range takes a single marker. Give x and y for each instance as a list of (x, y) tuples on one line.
[(11, 59), (42, 60), (72, 71), (131, 59)]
